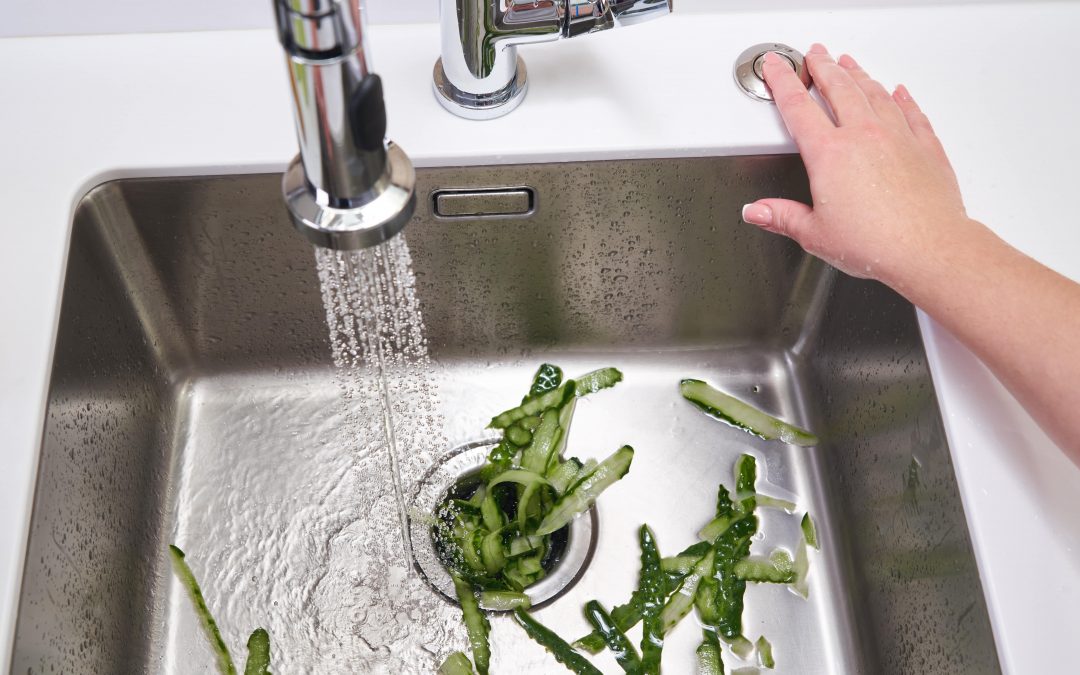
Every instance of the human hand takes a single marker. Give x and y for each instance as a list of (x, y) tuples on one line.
[(883, 190)]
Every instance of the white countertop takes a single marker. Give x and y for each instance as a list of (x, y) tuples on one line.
[(79, 110)]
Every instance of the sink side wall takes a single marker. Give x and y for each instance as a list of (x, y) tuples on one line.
[(94, 556), (917, 594)]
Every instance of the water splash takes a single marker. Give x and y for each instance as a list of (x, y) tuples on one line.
[(384, 370)]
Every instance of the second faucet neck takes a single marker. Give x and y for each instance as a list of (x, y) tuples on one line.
[(480, 75)]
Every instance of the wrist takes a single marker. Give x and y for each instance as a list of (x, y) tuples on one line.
[(931, 255)]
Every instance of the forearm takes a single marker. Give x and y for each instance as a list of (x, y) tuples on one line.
[(1021, 318)]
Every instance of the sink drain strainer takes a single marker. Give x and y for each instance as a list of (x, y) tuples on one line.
[(572, 546)]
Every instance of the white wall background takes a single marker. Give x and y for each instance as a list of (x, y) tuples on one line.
[(67, 17)]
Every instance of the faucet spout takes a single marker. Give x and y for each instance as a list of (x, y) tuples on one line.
[(630, 12), (480, 76), (349, 187)]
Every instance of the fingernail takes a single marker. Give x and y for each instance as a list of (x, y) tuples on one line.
[(848, 62), (757, 214), (818, 48), (774, 59), (903, 93)]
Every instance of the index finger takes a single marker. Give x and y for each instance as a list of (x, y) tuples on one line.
[(803, 116)]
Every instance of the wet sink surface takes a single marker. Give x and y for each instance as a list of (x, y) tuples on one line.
[(193, 399)]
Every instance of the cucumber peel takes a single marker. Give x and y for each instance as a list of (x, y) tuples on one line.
[(778, 568), (534, 406), (503, 601), (621, 647), (456, 664), (258, 659), (651, 591), (476, 624), (709, 658), (802, 567), (682, 600), (582, 494), (679, 564), (547, 377), (258, 644), (555, 645), (744, 416), (809, 531), (764, 653), (206, 619), (592, 382), (740, 647), (776, 503)]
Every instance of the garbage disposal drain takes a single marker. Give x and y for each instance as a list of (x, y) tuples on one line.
[(457, 475)]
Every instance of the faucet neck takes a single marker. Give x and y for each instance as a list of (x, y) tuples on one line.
[(345, 170), (321, 30), (330, 81)]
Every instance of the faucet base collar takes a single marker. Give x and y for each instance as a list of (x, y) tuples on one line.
[(480, 106)]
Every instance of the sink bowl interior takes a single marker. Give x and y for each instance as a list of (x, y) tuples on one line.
[(193, 400)]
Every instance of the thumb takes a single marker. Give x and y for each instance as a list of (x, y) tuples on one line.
[(782, 216)]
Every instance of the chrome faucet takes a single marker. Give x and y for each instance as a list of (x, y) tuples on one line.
[(349, 187), (480, 75)]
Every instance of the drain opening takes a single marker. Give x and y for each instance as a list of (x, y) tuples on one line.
[(466, 486), (457, 475)]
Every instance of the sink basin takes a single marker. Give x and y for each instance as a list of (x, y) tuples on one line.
[(193, 400)]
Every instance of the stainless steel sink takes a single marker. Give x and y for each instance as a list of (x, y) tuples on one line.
[(193, 399)]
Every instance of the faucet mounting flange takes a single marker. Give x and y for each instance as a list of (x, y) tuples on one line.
[(480, 106)]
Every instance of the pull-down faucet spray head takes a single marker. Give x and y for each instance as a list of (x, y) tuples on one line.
[(349, 187)]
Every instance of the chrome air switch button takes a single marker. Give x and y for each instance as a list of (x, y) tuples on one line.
[(759, 64), (749, 66)]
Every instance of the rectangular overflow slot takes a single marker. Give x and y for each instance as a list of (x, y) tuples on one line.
[(504, 202)]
